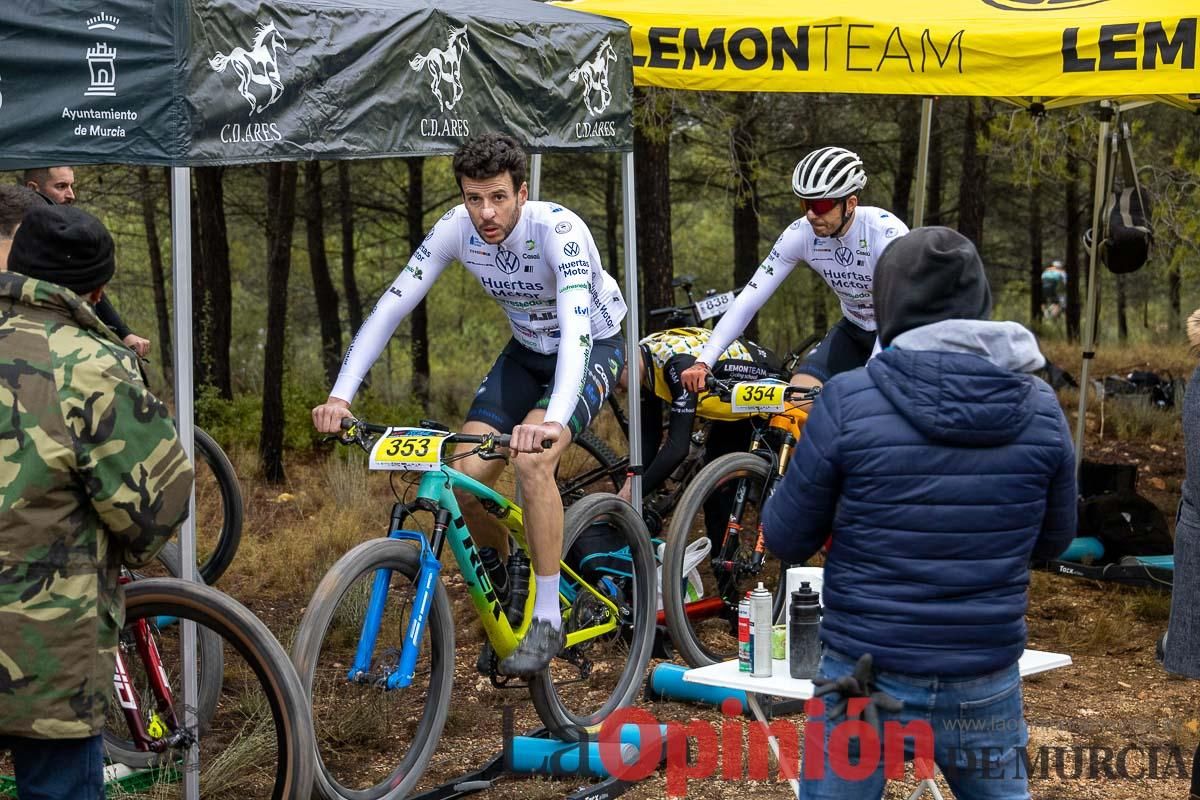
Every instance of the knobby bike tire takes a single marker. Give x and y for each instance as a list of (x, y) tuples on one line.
[(721, 474), (247, 634), (120, 748), (636, 631), (603, 476), (365, 559), (212, 568)]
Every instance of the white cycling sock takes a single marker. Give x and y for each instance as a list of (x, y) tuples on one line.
[(545, 601)]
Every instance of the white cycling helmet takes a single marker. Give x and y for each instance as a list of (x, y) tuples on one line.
[(829, 172)]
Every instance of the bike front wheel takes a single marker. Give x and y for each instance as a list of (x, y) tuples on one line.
[(258, 743), (373, 742), (588, 681), (700, 600)]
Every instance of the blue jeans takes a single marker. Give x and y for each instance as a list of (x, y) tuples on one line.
[(977, 726), (57, 769)]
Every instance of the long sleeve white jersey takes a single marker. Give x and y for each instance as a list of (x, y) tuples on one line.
[(847, 263), (546, 275)]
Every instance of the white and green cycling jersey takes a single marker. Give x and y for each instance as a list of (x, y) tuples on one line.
[(546, 275), (846, 262)]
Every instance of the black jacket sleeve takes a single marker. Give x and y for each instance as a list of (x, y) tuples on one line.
[(109, 316), (679, 426)]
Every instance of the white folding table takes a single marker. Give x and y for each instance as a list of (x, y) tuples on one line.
[(780, 684)]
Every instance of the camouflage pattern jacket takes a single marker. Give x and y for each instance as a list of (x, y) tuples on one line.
[(92, 475)]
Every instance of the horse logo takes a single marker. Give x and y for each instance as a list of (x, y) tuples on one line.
[(445, 65), (594, 77), (260, 65)]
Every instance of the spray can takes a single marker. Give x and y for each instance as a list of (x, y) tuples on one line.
[(744, 634), (804, 628), (761, 623)]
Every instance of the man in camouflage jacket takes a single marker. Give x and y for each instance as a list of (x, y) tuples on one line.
[(92, 476)]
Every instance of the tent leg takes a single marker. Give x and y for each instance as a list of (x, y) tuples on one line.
[(923, 161), (1103, 180), (181, 280), (535, 176), (632, 326)]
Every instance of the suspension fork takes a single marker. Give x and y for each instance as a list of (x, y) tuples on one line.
[(773, 478)]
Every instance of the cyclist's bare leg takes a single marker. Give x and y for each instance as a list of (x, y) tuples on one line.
[(541, 501), (485, 530)]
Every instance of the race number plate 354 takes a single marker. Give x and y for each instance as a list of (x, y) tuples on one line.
[(410, 449), (754, 397)]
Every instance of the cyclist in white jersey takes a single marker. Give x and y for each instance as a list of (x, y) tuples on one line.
[(838, 238), (540, 263)]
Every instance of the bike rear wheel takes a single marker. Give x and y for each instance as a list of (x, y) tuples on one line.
[(118, 744), (727, 495), (587, 682), (371, 742), (219, 513), (259, 741)]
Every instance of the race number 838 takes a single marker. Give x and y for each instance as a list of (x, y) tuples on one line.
[(754, 397), (412, 449)]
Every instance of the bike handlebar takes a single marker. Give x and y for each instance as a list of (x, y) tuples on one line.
[(792, 394), (494, 440)]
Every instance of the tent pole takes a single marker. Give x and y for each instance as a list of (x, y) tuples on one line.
[(1089, 326), (181, 284), (632, 351), (918, 218), (535, 176)]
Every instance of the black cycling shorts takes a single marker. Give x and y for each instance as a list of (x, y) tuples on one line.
[(844, 348), (522, 380)]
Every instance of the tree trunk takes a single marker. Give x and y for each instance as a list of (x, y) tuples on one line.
[(910, 134), (652, 157), (933, 201), (1122, 310), (162, 309), (326, 295), (1036, 258), (1174, 292), (612, 213), (1071, 258), (349, 283), (281, 222), (743, 141), (212, 293), (817, 293), (972, 187), (420, 315)]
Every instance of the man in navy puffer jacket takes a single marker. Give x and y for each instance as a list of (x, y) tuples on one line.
[(941, 468)]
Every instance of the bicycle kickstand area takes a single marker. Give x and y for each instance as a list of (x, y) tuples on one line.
[(537, 754)]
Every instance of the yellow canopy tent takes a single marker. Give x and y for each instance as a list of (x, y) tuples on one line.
[(1032, 53)]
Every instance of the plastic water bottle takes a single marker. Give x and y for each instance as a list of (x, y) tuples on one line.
[(496, 572), (761, 623), (518, 586), (804, 629)]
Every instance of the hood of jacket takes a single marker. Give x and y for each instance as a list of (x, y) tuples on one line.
[(962, 381)]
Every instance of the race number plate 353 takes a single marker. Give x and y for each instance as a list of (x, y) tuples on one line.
[(756, 397), (410, 449)]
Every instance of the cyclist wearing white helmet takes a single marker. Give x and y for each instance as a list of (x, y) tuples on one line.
[(838, 238)]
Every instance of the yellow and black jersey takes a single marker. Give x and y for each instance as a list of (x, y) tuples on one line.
[(670, 352)]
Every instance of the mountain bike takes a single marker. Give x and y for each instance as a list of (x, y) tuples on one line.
[(723, 503), (254, 733), (375, 649)]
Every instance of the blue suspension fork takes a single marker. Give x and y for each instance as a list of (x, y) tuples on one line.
[(426, 583)]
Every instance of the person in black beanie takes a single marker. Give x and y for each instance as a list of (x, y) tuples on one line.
[(941, 467), (64, 245)]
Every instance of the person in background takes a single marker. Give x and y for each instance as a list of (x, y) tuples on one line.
[(941, 468), (14, 202), (1054, 289), (1179, 648), (92, 477), (56, 184)]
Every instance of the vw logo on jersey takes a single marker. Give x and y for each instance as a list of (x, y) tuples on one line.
[(571, 249), (507, 261), (844, 256)]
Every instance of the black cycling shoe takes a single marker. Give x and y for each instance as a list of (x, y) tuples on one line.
[(535, 650)]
